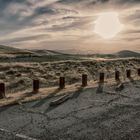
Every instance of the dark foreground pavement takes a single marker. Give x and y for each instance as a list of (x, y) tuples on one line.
[(88, 115)]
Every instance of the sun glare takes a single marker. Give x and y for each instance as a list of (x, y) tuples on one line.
[(108, 25)]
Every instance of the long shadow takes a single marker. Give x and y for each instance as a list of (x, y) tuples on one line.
[(100, 87), (41, 102), (131, 80), (118, 81), (76, 94), (2, 109)]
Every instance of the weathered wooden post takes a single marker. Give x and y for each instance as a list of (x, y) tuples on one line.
[(117, 75), (35, 86), (128, 73), (62, 82), (84, 80), (102, 77), (138, 72), (2, 90)]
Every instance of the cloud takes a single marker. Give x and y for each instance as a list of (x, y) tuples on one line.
[(25, 22), (132, 31)]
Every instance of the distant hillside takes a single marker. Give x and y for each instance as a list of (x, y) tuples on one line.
[(12, 50), (36, 52), (77, 51), (7, 49), (45, 52), (127, 53), (11, 54)]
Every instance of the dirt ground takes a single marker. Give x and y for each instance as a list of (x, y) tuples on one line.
[(99, 113)]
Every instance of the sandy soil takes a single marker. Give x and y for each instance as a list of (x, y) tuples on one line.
[(90, 114), (18, 76)]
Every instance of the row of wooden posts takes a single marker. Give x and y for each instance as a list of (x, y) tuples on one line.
[(36, 83)]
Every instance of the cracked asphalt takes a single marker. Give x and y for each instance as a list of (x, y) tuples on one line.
[(88, 115)]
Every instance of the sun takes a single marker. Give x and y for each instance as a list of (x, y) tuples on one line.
[(108, 25)]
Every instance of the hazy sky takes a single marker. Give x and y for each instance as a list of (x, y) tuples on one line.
[(67, 24)]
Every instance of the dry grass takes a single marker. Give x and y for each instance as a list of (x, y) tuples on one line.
[(28, 96), (18, 76)]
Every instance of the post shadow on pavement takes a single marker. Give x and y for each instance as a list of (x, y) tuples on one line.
[(42, 101), (74, 95), (131, 80), (4, 108), (118, 82), (77, 93), (100, 87)]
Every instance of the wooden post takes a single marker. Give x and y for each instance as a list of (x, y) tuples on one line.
[(62, 82), (128, 73), (2, 90), (35, 86), (138, 72), (102, 76), (117, 75), (84, 80)]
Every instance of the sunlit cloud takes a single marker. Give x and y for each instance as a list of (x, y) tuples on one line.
[(65, 24)]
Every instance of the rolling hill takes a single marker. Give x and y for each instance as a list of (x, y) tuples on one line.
[(12, 50), (127, 53), (39, 55), (46, 52)]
